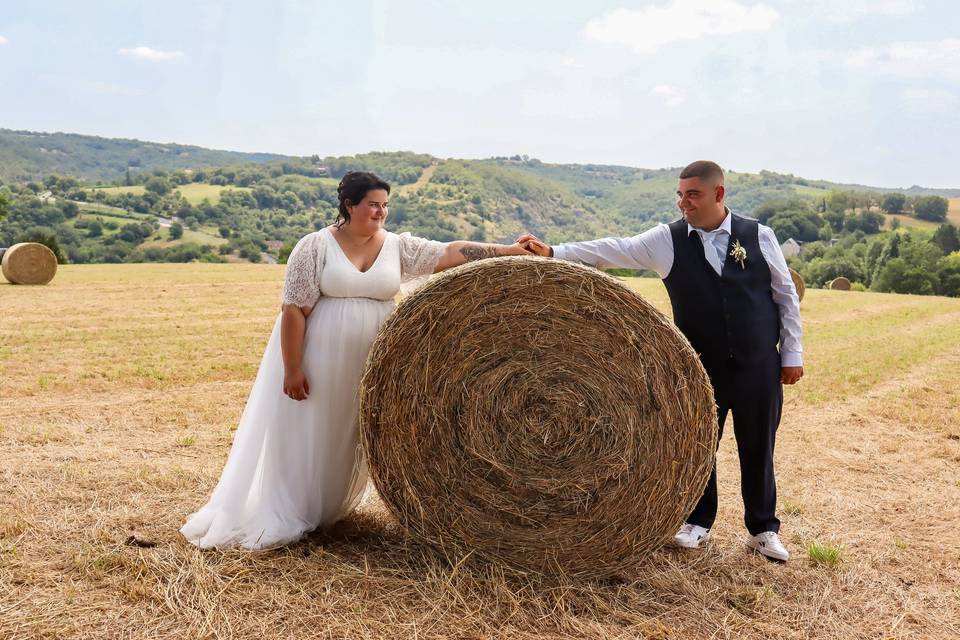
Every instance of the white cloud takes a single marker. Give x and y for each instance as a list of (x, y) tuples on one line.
[(3, 40), (937, 59), (930, 100), (673, 96), (146, 53), (850, 10), (647, 29)]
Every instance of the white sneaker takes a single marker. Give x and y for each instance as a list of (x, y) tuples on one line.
[(768, 544), (691, 536)]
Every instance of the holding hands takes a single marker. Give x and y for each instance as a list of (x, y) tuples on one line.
[(535, 245)]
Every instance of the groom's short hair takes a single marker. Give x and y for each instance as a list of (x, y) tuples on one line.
[(703, 169)]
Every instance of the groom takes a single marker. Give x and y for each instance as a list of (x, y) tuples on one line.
[(734, 300)]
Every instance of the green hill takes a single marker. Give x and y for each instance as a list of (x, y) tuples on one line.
[(187, 203), (31, 155)]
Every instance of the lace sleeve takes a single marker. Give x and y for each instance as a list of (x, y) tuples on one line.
[(301, 281), (419, 256)]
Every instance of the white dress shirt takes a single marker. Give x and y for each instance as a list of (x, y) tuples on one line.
[(653, 249)]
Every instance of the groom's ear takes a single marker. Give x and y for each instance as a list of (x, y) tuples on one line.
[(721, 191)]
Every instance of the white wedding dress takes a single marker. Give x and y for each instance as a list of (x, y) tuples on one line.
[(297, 465)]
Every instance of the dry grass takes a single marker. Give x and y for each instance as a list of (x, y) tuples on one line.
[(192, 192), (907, 222), (200, 236), (110, 370)]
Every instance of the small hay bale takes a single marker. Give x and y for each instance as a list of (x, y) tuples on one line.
[(537, 413), (29, 263), (840, 284), (798, 283)]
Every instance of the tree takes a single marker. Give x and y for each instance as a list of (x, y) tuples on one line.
[(920, 254), (771, 208), (158, 185), (931, 208), (176, 231), (866, 221), (900, 277), (838, 201), (804, 227), (835, 219), (893, 202), (94, 229), (822, 270), (948, 273), (887, 252), (947, 238), (45, 237), (4, 204), (70, 209)]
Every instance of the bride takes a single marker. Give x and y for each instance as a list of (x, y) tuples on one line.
[(296, 462)]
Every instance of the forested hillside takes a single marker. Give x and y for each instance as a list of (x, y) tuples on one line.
[(184, 209), (31, 155)]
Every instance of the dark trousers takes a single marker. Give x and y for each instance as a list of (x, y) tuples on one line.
[(754, 395)]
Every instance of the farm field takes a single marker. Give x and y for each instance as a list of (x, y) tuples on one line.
[(908, 222), (193, 192), (122, 383), (203, 235)]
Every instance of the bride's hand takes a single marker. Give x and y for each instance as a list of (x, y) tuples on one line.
[(517, 249), (295, 384)]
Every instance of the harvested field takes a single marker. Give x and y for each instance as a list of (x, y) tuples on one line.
[(122, 383)]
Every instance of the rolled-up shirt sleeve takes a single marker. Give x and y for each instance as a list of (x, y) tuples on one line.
[(652, 249), (786, 299)]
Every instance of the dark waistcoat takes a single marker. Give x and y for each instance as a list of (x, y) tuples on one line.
[(727, 317)]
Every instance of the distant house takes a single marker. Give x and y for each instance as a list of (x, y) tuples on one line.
[(321, 170), (46, 196), (790, 248), (274, 245)]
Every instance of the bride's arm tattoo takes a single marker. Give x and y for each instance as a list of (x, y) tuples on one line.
[(474, 252)]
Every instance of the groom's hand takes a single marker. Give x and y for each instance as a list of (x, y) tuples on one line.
[(533, 244), (790, 375)]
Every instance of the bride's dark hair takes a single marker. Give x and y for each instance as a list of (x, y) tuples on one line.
[(352, 189)]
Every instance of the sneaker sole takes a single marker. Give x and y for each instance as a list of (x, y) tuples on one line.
[(775, 559), (700, 545)]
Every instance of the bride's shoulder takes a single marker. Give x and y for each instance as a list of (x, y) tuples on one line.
[(315, 237), (312, 244)]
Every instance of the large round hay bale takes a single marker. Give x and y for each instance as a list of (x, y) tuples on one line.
[(29, 263), (537, 413), (840, 284), (798, 283)]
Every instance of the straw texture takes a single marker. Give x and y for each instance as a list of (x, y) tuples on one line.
[(798, 283), (840, 284), (29, 263), (536, 413)]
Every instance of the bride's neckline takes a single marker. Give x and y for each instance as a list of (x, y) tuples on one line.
[(347, 258)]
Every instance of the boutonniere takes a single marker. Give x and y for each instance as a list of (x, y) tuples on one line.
[(739, 254)]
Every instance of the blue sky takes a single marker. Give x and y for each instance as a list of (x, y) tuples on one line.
[(850, 90)]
